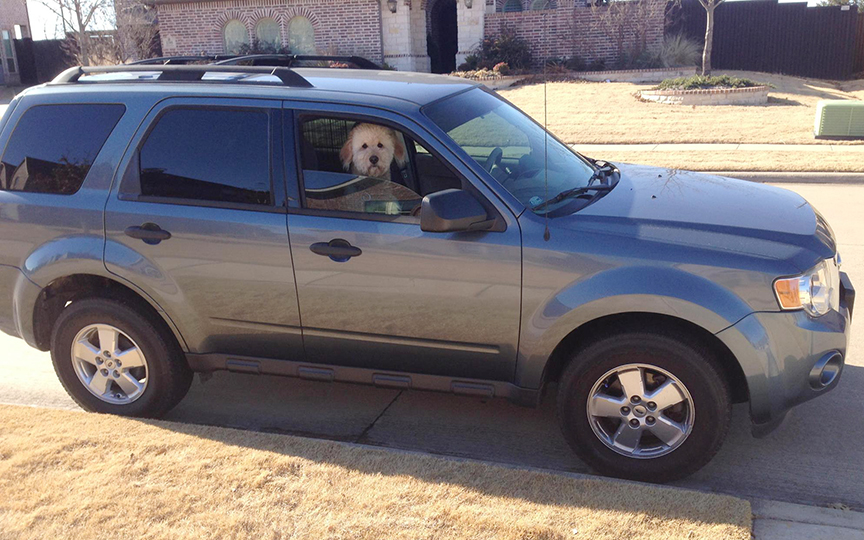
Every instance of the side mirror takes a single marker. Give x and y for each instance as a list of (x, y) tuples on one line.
[(453, 210)]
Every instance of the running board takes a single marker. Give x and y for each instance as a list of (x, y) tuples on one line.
[(373, 377)]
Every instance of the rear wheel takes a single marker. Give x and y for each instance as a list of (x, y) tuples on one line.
[(644, 406), (112, 359)]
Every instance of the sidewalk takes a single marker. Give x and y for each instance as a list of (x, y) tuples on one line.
[(666, 147)]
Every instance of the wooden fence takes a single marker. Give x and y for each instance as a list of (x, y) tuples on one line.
[(790, 38)]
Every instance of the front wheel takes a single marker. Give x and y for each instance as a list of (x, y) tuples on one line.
[(644, 406), (113, 359)]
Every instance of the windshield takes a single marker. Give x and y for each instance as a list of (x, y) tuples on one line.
[(510, 146)]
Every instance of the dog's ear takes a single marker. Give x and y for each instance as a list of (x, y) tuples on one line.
[(347, 152), (399, 150)]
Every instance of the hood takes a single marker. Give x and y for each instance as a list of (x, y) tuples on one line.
[(714, 212)]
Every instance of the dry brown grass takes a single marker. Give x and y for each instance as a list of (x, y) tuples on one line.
[(608, 113), (75, 475), (743, 160)]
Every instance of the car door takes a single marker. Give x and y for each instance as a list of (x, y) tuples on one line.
[(374, 290), (197, 220)]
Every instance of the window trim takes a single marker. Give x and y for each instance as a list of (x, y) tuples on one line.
[(24, 112), (277, 196), (298, 116)]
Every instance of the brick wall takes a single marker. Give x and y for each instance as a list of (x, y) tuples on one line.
[(571, 29), (196, 27)]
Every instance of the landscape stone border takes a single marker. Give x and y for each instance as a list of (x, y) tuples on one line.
[(754, 95)]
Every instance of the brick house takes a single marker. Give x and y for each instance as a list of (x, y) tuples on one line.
[(13, 25), (412, 35)]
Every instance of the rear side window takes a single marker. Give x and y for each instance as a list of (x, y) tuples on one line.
[(53, 147), (208, 155)]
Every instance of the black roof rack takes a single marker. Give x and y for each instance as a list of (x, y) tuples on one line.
[(185, 73), (289, 60), (182, 60)]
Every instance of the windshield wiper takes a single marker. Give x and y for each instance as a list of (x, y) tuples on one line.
[(602, 171), (571, 193)]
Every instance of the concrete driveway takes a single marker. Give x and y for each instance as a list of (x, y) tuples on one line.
[(816, 457)]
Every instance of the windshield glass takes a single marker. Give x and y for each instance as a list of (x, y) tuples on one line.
[(510, 145)]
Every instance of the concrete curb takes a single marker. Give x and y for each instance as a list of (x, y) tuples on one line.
[(783, 177), (773, 520)]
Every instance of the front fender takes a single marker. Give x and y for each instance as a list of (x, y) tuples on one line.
[(659, 290)]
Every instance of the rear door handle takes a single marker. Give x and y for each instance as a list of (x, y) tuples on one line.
[(150, 233), (337, 249)]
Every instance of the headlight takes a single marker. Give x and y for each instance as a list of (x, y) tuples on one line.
[(817, 291)]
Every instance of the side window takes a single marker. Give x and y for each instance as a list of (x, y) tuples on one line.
[(220, 155), (53, 146), (363, 167)]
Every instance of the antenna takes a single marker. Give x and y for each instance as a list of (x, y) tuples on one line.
[(546, 234)]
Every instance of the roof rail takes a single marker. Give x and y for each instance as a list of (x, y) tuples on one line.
[(185, 73), (182, 60), (288, 60)]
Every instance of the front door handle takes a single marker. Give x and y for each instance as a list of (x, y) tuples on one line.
[(337, 249), (150, 233)]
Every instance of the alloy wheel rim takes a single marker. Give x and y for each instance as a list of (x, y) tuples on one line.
[(640, 411), (109, 364)]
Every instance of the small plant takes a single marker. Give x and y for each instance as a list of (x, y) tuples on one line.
[(700, 82), (387, 67), (262, 47), (501, 68)]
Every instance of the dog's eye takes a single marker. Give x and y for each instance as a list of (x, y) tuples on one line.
[(365, 145), (380, 145)]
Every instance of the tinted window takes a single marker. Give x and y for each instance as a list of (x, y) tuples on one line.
[(210, 155), (53, 147)]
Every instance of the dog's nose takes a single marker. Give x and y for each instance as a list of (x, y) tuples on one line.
[(373, 160)]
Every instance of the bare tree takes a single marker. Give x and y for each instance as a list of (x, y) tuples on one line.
[(137, 32), (79, 18), (710, 6), (628, 23)]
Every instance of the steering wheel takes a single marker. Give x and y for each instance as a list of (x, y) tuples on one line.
[(493, 159)]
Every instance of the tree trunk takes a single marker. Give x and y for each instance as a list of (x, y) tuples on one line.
[(709, 41)]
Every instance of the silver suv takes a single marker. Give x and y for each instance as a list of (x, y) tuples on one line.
[(406, 231)]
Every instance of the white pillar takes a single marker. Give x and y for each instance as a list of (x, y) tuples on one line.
[(470, 23), (404, 36)]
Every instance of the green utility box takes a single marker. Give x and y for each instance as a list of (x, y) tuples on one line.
[(839, 119)]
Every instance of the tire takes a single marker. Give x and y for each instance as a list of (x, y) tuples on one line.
[(604, 365), (151, 353)]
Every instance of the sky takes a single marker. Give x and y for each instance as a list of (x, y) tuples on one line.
[(45, 25)]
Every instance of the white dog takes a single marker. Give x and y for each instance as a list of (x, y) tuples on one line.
[(370, 149)]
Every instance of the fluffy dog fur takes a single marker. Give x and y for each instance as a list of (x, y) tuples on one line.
[(370, 149)]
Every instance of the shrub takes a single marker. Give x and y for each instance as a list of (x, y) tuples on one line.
[(505, 47), (697, 82), (680, 50)]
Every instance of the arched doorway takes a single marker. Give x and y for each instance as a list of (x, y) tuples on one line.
[(442, 42)]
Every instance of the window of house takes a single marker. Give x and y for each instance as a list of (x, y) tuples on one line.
[(267, 32), (512, 6), (220, 155), (362, 167), (54, 146), (234, 34), (538, 5), (301, 35)]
